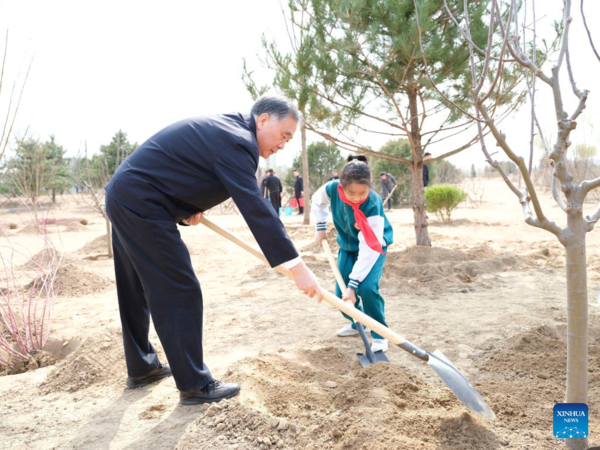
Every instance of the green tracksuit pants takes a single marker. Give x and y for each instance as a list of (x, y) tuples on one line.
[(369, 300)]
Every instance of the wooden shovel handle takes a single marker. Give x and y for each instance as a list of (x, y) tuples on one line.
[(334, 267), (343, 306), (390, 194)]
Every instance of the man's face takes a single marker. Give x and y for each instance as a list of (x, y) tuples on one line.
[(384, 177), (272, 135), (296, 173), (335, 173)]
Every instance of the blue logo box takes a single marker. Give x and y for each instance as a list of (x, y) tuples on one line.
[(570, 421)]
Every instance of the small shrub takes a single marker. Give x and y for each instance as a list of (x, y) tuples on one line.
[(83, 222), (442, 199), (13, 226)]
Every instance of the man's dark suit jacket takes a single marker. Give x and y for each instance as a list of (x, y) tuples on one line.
[(196, 164)]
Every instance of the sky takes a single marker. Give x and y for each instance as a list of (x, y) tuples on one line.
[(139, 66)]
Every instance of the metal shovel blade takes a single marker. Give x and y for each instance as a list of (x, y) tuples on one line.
[(378, 356), (368, 358), (458, 384)]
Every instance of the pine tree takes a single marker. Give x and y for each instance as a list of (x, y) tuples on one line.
[(367, 67)]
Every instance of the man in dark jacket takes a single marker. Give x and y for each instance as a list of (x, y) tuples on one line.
[(263, 185), (183, 170), (298, 190), (334, 175), (387, 184), (274, 189), (426, 157)]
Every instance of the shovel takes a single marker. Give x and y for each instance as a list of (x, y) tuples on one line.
[(389, 195), (369, 357), (447, 371)]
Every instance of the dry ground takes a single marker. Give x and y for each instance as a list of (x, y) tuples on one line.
[(490, 294)]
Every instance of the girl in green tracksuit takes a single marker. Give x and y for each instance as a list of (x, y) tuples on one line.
[(363, 234)]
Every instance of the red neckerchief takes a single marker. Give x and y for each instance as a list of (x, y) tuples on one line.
[(362, 222)]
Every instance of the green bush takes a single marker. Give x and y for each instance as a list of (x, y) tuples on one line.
[(442, 199)]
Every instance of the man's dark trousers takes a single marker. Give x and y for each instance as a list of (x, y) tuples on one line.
[(155, 277), (298, 196), (275, 197)]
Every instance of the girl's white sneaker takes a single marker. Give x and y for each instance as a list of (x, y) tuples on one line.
[(347, 330), (379, 344)]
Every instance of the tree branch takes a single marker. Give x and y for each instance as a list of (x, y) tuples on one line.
[(350, 146), (556, 194), (588, 32)]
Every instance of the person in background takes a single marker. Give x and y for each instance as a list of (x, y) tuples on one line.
[(273, 185), (335, 175), (263, 184), (298, 190), (387, 184), (426, 157)]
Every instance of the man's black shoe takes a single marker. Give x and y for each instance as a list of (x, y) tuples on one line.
[(162, 371), (215, 391)]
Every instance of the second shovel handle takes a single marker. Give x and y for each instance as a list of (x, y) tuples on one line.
[(334, 267)]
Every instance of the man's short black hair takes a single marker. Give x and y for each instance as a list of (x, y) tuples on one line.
[(427, 154), (270, 170), (295, 170), (382, 174), (362, 158)]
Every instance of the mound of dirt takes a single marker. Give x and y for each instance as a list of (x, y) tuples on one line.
[(42, 260), (431, 264), (321, 398), (300, 231), (314, 247), (36, 360), (526, 375), (539, 352), (99, 359), (53, 226), (74, 225), (98, 245), (71, 281), (32, 228)]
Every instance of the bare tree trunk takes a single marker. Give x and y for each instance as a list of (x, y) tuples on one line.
[(418, 194), (577, 319), (108, 237), (306, 179), (418, 200)]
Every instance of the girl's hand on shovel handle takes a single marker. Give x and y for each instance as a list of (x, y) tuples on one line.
[(306, 281), (350, 296), (320, 236)]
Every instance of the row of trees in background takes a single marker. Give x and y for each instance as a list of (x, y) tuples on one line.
[(41, 168)]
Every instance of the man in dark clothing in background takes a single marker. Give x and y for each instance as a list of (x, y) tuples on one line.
[(275, 189), (298, 190), (335, 175), (263, 185), (172, 178), (426, 157), (387, 184)]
